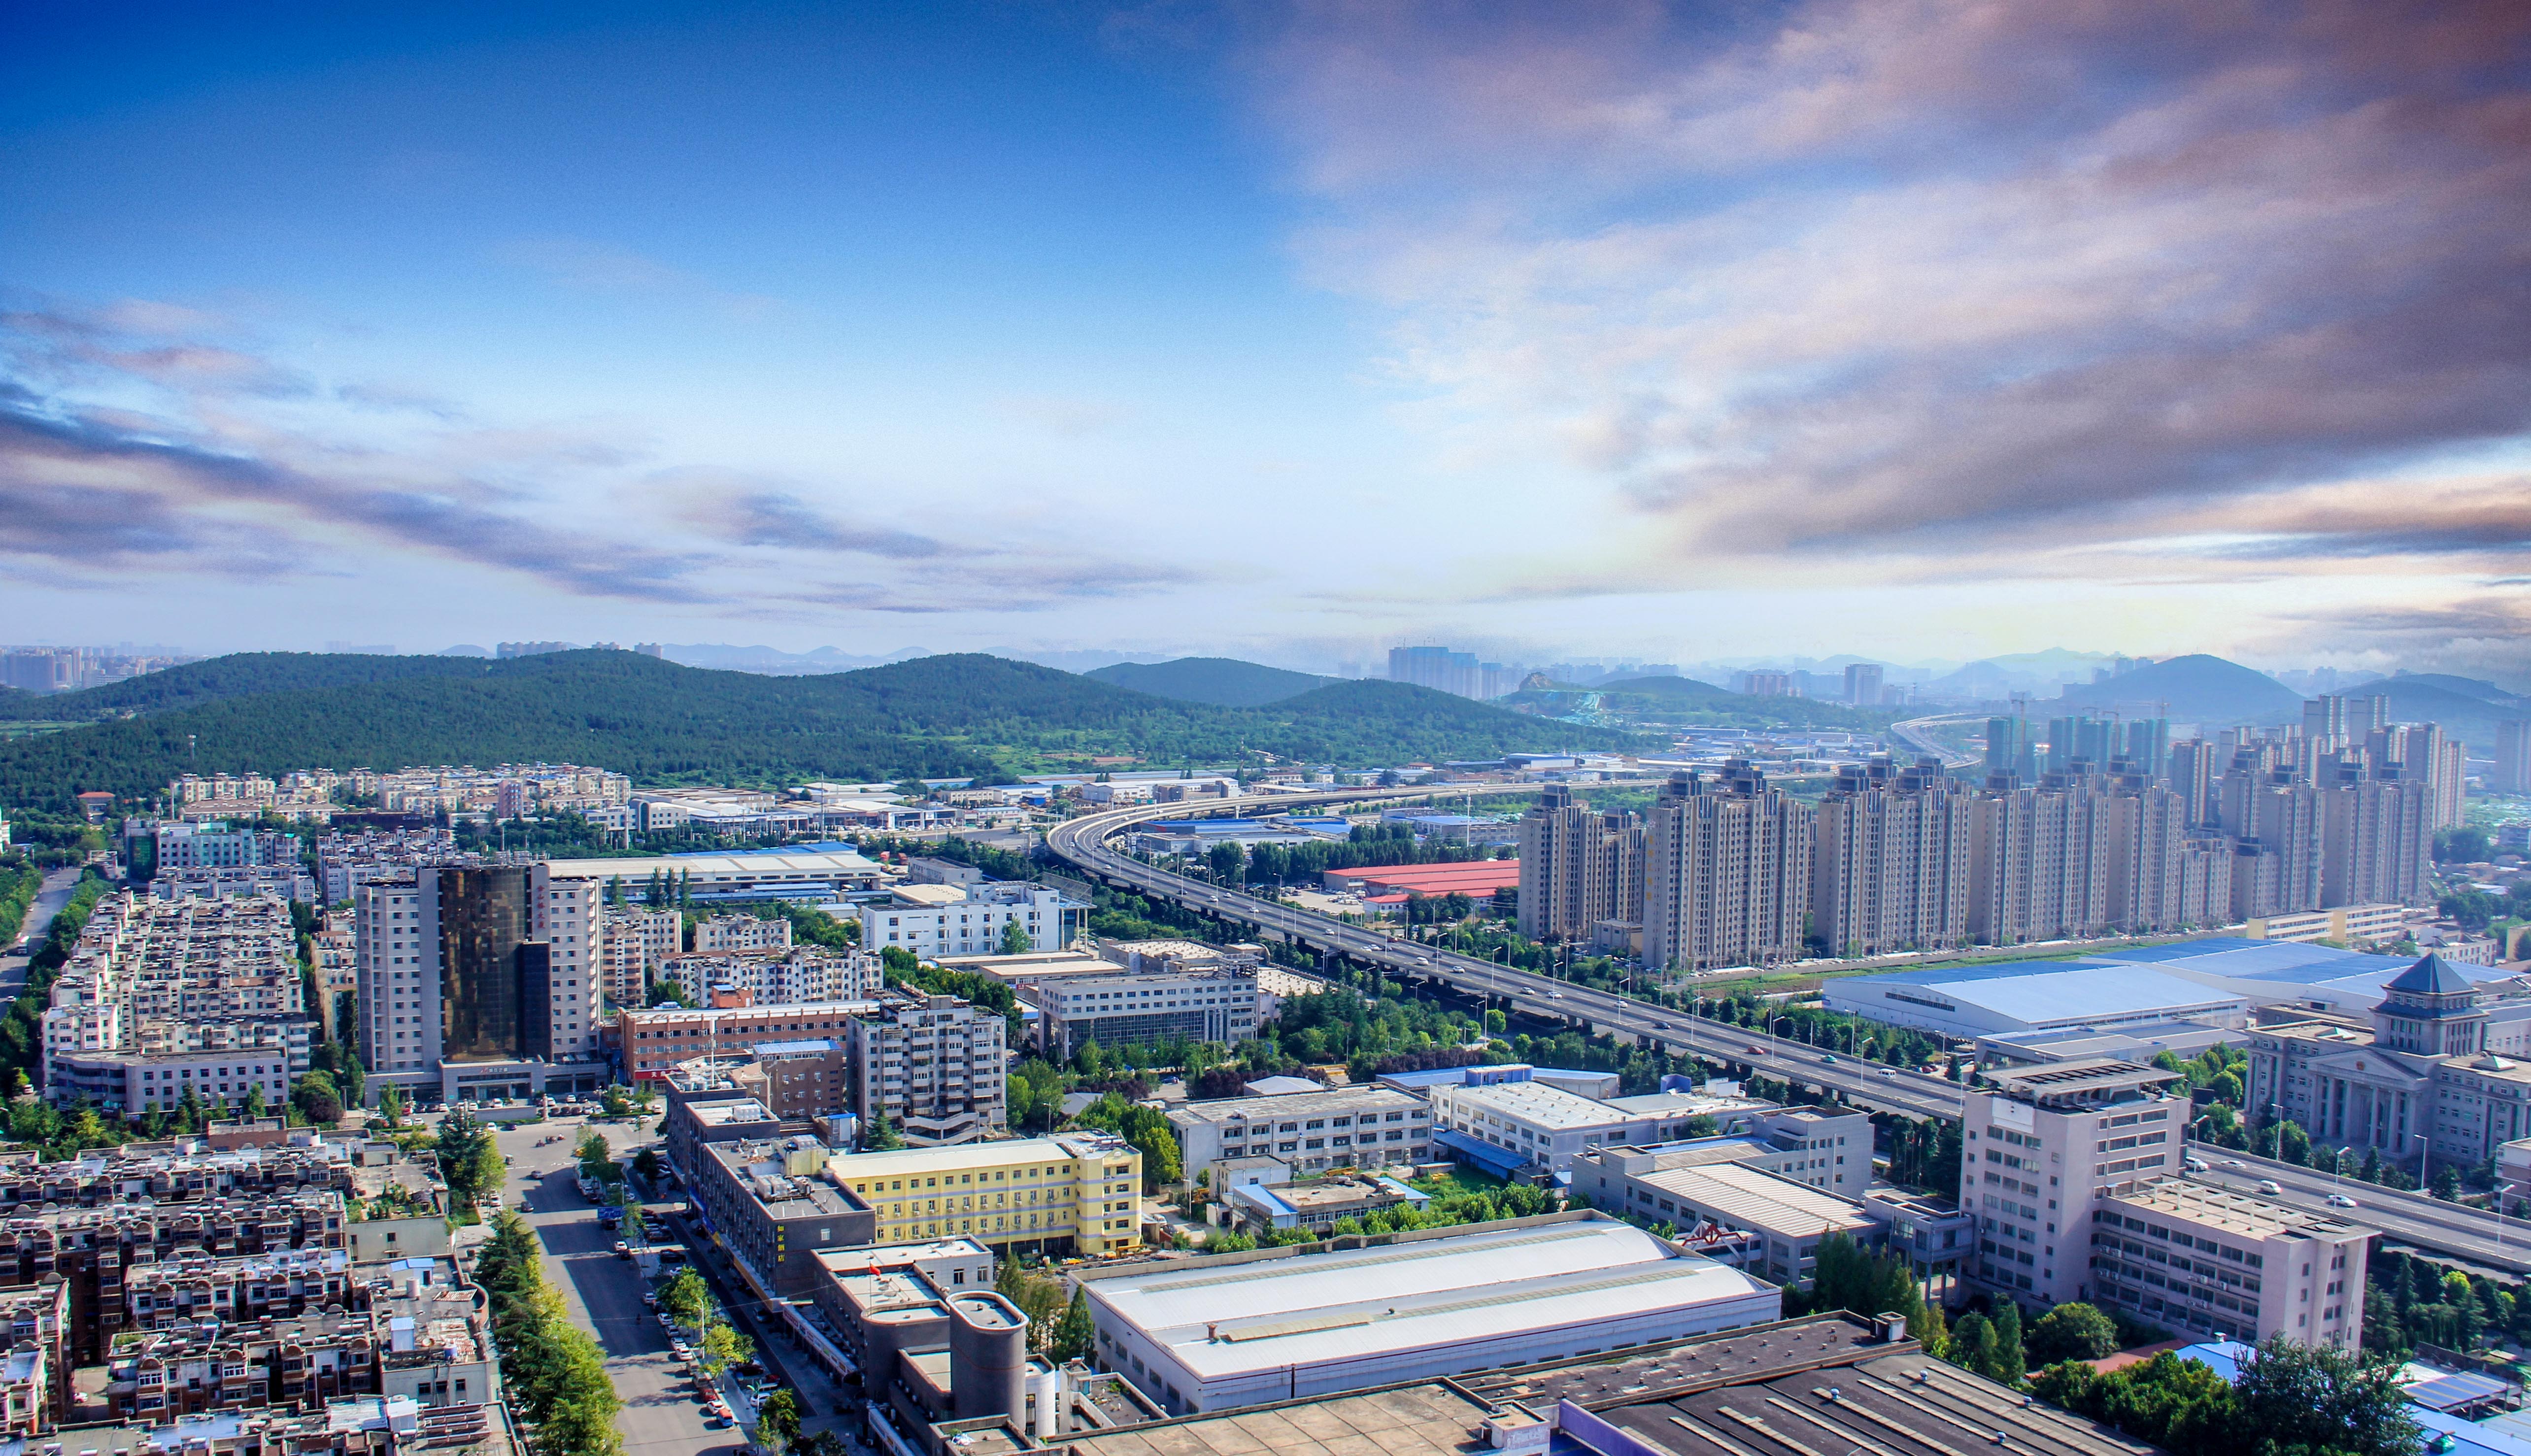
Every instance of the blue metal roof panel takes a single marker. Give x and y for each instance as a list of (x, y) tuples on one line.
[(2068, 995)]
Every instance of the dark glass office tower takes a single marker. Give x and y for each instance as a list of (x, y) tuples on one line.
[(483, 955)]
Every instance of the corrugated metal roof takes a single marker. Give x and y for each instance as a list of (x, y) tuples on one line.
[(2059, 996)]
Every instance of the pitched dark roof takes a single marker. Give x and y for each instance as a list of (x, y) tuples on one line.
[(2431, 976)]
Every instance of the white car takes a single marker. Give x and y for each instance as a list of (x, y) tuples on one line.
[(2342, 1200)]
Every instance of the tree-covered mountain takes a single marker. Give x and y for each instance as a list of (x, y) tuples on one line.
[(1225, 682), (2463, 715), (1671, 701), (240, 675), (2194, 689), (949, 716)]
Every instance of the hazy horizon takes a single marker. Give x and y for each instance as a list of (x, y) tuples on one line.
[(1287, 334)]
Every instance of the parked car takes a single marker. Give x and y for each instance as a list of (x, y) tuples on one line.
[(623, 1249)]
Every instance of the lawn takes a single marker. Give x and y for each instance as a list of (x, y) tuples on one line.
[(1460, 1179)]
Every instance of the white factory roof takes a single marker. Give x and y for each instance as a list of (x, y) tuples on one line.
[(1229, 1320), (1752, 1198), (1538, 1104)]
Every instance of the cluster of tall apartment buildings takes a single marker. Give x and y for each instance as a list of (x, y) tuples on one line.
[(2108, 829), (68, 669)]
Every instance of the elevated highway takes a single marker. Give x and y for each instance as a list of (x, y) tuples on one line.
[(1082, 843)]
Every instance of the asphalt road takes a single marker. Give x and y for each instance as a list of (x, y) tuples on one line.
[(2409, 1217), (56, 893), (660, 1415)]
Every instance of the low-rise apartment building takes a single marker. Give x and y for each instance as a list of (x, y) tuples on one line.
[(91, 1249), (723, 934), (35, 1382), (654, 1042), (1126, 1008), (195, 1286), (932, 1065), (435, 1345), (776, 977), (1353, 1127), (1080, 1192), (290, 1365), (799, 1081)]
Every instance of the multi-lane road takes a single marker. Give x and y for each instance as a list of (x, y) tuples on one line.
[(1082, 843), (2409, 1217), (2427, 1222)]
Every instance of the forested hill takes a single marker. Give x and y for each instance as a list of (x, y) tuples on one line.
[(1223, 680), (239, 675), (949, 716)]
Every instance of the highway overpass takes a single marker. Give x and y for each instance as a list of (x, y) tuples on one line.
[(2414, 1218)]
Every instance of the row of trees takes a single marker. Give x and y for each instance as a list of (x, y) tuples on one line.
[(554, 1370), (1464, 1206), (22, 1027), (2410, 1300)]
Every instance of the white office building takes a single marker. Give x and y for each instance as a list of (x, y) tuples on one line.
[(934, 920), (1311, 1132)]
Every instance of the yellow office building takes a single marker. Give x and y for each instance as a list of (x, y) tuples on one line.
[(1082, 1187)]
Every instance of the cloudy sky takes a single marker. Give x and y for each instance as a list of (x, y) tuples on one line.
[(1291, 331)]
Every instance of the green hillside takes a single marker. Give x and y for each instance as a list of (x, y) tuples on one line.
[(2196, 689), (1685, 702), (1225, 682), (660, 722), (2463, 715), (239, 675)]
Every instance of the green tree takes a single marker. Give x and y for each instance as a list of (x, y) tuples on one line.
[(316, 1098), (2011, 1364), (2072, 1332), (2296, 1397), (616, 1101), (2447, 1184), (777, 1419), (685, 1298), (647, 1164), (1077, 1337), (1016, 940), (350, 1079), (189, 1110), (391, 1104), (878, 1135), (253, 1108), (723, 1347), (470, 1161)]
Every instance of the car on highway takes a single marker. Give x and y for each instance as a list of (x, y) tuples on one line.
[(2268, 1187), (2234, 1162), (2193, 1164), (2342, 1200), (1892, 1072), (1663, 1025), (1830, 1058), (1755, 1051)]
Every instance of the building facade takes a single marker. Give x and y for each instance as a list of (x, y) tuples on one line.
[(1727, 871)]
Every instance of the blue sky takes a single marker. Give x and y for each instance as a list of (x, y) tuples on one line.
[(1917, 330)]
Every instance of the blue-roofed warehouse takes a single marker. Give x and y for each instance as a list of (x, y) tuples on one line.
[(2212, 982)]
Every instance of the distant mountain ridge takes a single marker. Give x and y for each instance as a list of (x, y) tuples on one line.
[(934, 717), (1225, 682), (2465, 715), (2196, 689)]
